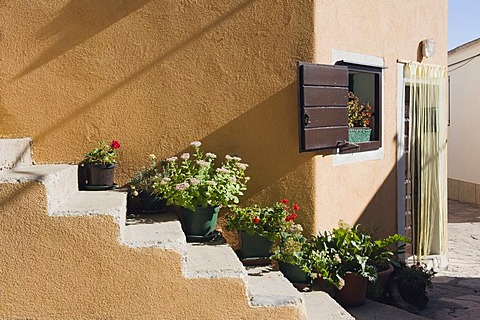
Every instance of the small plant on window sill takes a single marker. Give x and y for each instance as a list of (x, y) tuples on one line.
[(358, 114)]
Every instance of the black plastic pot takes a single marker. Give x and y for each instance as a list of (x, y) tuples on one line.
[(100, 175)]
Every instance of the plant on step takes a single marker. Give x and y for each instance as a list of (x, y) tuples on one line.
[(195, 180), (343, 250), (141, 192), (411, 283), (267, 222), (143, 181), (292, 247), (103, 155)]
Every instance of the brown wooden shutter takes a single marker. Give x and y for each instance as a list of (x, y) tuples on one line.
[(323, 111)]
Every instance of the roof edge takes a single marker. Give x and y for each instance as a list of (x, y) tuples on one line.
[(464, 46)]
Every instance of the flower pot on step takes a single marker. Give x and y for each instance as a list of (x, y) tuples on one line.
[(378, 289), (254, 246), (201, 222), (354, 292), (293, 273), (100, 175)]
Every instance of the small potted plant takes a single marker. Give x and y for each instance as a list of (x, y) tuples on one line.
[(408, 286), (100, 164), (292, 251), (358, 119), (259, 226), (200, 187), (141, 192)]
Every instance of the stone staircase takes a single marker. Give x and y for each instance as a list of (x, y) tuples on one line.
[(71, 254)]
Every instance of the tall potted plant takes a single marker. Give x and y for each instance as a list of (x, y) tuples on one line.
[(141, 191), (358, 119), (100, 164), (200, 187), (259, 226)]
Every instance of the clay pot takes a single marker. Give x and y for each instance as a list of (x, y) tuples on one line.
[(354, 292)]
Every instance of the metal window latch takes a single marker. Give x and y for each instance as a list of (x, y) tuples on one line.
[(347, 144)]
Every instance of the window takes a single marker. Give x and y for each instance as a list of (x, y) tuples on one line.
[(323, 105), (365, 83)]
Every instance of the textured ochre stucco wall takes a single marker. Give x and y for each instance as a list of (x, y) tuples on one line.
[(156, 75), (365, 192), (74, 268)]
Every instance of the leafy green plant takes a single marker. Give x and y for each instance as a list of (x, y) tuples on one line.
[(105, 154), (358, 114), (293, 248), (194, 180), (268, 222), (347, 249)]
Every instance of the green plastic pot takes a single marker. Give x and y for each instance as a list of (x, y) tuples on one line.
[(201, 222), (254, 246), (359, 134), (293, 273)]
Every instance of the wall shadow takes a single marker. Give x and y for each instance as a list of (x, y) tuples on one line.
[(121, 11), (78, 21)]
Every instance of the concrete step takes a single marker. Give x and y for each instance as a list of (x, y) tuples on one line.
[(15, 152), (60, 181), (92, 203), (213, 261), (267, 287), (320, 306), (155, 230)]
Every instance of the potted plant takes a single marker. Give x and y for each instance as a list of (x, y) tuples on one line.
[(100, 164), (200, 187), (384, 259), (259, 226), (292, 251), (341, 257), (408, 286), (141, 192), (358, 119)]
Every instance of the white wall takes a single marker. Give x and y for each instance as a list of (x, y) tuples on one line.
[(464, 130)]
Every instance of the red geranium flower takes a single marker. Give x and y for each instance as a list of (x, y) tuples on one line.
[(284, 201), (296, 207), (256, 220), (115, 144)]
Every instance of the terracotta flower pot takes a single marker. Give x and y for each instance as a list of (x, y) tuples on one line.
[(378, 290), (354, 292)]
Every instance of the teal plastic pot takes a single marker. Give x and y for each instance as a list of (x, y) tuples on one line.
[(293, 273), (201, 222), (359, 134), (254, 246)]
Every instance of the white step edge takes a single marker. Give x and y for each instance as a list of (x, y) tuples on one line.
[(162, 231), (93, 203), (60, 181), (320, 306), (267, 287), (213, 261), (15, 152)]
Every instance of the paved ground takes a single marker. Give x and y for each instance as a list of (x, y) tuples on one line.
[(456, 291)]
